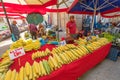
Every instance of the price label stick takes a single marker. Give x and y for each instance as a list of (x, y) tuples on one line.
[(19, 61)]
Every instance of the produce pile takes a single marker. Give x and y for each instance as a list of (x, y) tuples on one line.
[(5, 62), (58, 57), (114, 38), (28, 45), (40, 54)]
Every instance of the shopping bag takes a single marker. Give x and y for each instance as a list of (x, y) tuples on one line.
[(13, 37)]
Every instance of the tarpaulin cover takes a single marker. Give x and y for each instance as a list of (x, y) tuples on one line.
[(69, 71), (87, 6)]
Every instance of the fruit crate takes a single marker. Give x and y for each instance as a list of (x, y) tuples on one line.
[(114, 53)]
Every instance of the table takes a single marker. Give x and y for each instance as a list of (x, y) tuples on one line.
[(78, 67)]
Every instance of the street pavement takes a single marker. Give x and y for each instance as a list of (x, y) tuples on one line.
[(106, 70), (4, 45)]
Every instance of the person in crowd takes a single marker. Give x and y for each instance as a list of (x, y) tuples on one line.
[(87, 23), (33, 31), (71, 28), (118, 25), (24, 23), (99, 25), (41, 30), (15, 30)]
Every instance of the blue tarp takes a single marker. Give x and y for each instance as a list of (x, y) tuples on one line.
[(88, 6)]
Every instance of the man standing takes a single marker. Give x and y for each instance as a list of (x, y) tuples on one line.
[(87, 23), (71, 28), (33, 31), (15, 30)]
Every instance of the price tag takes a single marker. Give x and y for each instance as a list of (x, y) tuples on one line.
[(62, 43), (16, 53)]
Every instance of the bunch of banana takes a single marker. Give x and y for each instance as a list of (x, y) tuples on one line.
[(28, 47), (28, 41), (103, 41), (90, 47), (81, 41), (94, 38), (53, 63), (40, 54), (84, 49), (61, 49), (29, 72), (17, 44), (11, 75), (4, 66), (34, 45)]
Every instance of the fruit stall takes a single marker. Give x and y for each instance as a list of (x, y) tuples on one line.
[(53, 62)]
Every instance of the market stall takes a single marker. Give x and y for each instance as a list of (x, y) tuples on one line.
[(51, 62), (70, 72)]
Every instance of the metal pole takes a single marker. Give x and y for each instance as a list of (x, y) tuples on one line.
[(93, 21), (6, 15), (58, 22)]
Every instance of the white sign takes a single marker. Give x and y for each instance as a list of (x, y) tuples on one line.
[(62, 43), (16, 53)]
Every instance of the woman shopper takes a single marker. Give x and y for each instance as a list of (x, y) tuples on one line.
[(15, 31)]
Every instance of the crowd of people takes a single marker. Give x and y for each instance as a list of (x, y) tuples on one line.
[(32, 29), (71, 28)]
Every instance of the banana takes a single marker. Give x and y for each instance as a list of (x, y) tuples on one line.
[(21, 73), (46, 66), (67, 57), (75, 53), (27, 69), (8, 75), (17, 76), (71, 58), (2, 76), (51, 64), (13, 74), (42, 68), (63, 58), (30, 73)]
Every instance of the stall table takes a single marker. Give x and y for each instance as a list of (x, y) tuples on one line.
[(70, 71)]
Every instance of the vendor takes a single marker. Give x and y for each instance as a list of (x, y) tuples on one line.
[(71, 28)]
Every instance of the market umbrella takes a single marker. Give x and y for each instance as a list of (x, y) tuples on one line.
[(34, 18), (111, 13), (93, 7)]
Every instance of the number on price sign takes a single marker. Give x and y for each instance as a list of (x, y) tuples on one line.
[(16, 53)]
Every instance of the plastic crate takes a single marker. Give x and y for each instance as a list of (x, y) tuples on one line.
[(114, 53)]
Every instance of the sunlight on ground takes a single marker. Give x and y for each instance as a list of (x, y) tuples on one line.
[(6, 42)]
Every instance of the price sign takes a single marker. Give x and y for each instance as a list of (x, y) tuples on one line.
[(16, 53), (62, 43)]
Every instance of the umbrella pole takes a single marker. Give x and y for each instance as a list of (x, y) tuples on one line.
[(6, 15), (57, 36), (93, 21)]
